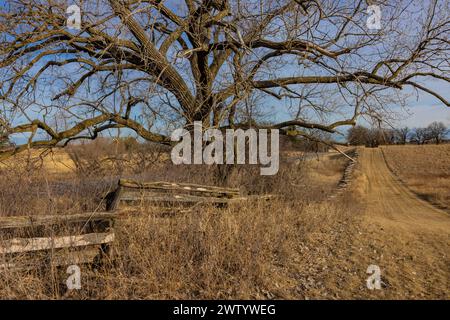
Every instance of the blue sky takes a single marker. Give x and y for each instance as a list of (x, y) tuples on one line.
[(426, 108), (423, 114), (422, 108)]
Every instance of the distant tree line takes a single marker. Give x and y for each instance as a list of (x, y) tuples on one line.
[(372, 137)]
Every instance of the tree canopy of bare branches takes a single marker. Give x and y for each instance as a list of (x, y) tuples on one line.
[(150, 65), (437, 131), (402, 135)]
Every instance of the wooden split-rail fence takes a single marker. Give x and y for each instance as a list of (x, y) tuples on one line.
[(171, 194), (32, 241), (29, 241)]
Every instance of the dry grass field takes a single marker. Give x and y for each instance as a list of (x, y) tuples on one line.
[(300, 245), (424, 169), (259, 249)]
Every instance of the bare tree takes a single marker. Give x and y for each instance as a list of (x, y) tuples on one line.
[(150, 65), (437, 131), (358, 135), (402, 135), (375, 137), (386, 136), (421, 135)]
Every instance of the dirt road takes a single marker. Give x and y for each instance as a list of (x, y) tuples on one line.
[(406, 237), (390, 203)]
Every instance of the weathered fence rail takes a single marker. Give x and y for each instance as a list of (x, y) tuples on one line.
[(27, 242), (131, 192)]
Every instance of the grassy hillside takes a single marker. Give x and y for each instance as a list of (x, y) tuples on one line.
[(425, 169)]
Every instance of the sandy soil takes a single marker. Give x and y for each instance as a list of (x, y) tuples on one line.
[(406, 237)]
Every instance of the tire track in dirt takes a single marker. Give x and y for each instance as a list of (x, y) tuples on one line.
[(408, 238)]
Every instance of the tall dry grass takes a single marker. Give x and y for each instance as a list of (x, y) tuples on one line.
[(261, 249), (255, 251)]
